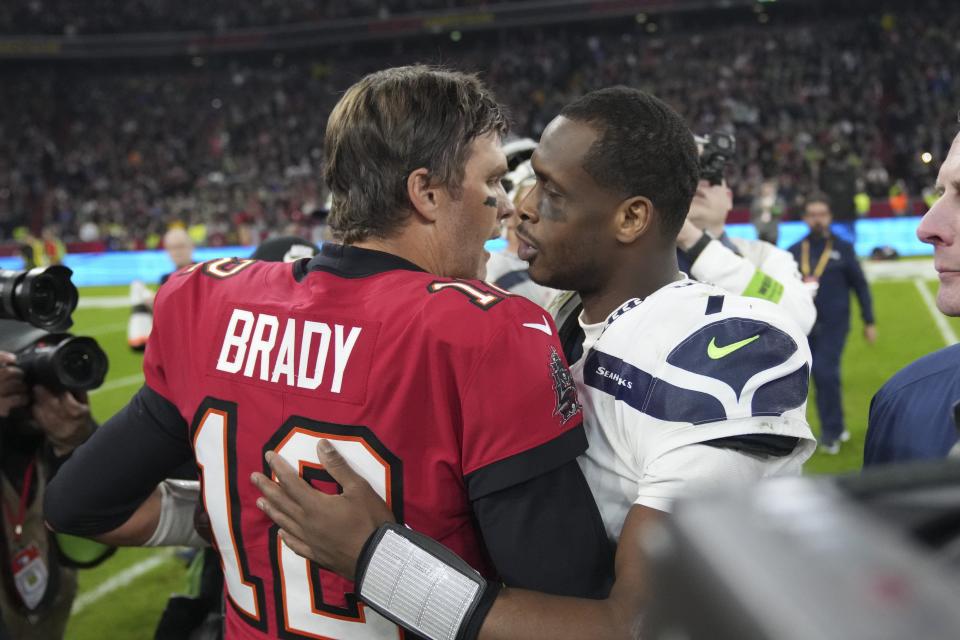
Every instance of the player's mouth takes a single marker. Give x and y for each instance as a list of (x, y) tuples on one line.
[(527, 250), (947, 274)]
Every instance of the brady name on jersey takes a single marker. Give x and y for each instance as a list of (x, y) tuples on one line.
[(301, 356)]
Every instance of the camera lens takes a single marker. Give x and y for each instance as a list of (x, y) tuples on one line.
[(80, 364), (62, 361), (77, 364), (43, 299)]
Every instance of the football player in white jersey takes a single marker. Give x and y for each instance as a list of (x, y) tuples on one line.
[(682, 383)]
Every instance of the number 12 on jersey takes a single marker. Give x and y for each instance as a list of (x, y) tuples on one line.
[(302, 611)]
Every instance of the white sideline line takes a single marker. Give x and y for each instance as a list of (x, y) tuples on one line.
[(103, 302), (901, 270), (120, 580), (945, 329), (104, 329), (119, 383)]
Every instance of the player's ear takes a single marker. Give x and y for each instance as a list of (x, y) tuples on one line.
[(634, 219), (424, 194)]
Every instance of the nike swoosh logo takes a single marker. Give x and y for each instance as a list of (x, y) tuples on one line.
[(545, 327), (715, 353)]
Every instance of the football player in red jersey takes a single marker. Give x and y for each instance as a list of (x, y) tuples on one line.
[(450, 396)]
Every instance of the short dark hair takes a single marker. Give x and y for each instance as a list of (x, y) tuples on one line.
[(644, 148), (817, 197), (389, 124)]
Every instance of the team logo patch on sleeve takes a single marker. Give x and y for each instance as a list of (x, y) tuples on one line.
[(563, 388)]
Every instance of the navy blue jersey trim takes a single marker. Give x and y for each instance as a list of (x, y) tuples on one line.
[(662, 400), (714, 305), (647, 394), (779, 396), (571, 336), (512, 279), (765, 445)]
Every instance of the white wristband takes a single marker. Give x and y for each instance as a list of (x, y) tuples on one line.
[(421, 585), (178, 503)]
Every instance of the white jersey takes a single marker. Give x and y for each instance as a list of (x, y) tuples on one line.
[(509, 272), (689, 364), (762, 270)]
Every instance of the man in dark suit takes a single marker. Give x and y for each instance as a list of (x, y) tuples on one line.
[(829, 266)]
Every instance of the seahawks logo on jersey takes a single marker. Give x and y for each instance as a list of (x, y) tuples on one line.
[(563, 388)]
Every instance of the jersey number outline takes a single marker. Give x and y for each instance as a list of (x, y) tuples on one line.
[(221, 268), (476, 295), (298, 594)]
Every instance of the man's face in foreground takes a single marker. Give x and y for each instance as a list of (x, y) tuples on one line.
[(941, 228)]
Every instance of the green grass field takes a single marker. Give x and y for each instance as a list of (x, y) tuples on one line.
[(120, 609), (114, 604)]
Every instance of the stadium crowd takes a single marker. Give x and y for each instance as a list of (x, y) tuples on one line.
[(235, 144), (73, 17)]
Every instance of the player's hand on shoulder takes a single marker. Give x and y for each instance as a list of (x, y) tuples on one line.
[(328, 529)]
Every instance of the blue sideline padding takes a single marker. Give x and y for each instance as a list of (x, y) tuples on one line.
[(122, 267)]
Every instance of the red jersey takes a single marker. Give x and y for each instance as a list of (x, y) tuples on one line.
[(432, 388)]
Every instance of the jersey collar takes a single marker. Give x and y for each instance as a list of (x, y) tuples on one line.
[(351, 262)]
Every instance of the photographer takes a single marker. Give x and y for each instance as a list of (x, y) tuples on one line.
[(751, 268), (44, 416), (39, 428)]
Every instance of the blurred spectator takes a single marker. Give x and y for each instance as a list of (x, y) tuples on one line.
[(838, 180), (178, 244), (70, 17), (767, 210), (51, 248), (899, 201), (179, 247)]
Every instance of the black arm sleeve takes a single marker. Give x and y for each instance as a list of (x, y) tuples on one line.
[(859, 283), (546, 534), (109, 476)]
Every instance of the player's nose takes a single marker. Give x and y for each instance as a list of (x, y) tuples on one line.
[(938, 224)]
